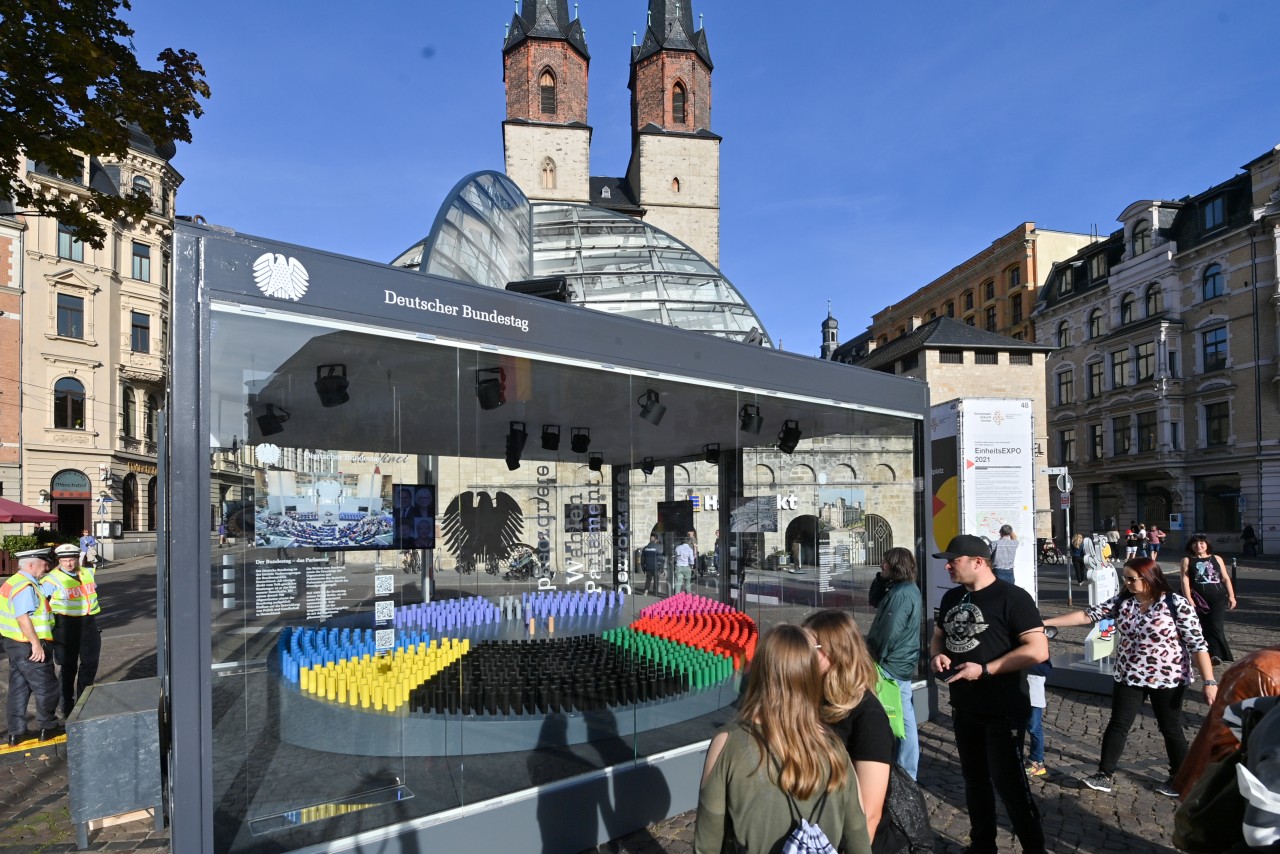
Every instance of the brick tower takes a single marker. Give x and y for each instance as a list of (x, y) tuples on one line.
[(675, 158), (545, 138)]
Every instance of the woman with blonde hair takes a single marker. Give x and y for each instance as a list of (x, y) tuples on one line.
[(852, 709), (776, 759)]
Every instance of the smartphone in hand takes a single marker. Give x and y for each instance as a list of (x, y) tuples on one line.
[(949, 673)]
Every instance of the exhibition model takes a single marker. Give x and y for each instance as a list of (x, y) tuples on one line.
[(498, 670)]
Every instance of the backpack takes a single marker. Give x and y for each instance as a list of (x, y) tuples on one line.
[(805, 837), (906, 817)]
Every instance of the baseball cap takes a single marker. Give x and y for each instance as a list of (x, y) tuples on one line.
[(67, 550), (965, 545)]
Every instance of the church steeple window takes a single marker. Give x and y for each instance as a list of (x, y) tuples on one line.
[(548, 173), (547, 91), (677, 105)]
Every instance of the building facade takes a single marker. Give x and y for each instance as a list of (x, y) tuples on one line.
[(1163, 381), (11, 232), (673, 175), (994, 290), (93, 343)]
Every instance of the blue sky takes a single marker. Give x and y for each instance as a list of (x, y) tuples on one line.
[(868, 148)]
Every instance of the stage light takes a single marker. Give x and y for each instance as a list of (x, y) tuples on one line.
[(595, 462), (650, 409), (750, 420), (711, 453), (580, 439), (646, 466), (332, 387), (272, 419), (491, 392), (789, 437), (516, 437), (550, 437)]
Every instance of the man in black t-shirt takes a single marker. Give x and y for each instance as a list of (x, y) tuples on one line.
[(986, 633), (650, 557)]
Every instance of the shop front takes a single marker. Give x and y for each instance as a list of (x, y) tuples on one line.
[(430, 625)]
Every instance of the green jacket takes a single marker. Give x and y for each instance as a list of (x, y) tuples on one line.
[(894, 638)]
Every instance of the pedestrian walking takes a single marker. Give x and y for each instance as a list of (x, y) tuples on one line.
[(77, 640), (1037, 675), (651, 563), (1003, 553), (894, 640), (1131, 541), (986, 634), (1204, 573), (26, 624), (776, 760), (1077, 558), (1155, 538), (685, 557), (1159, 637)]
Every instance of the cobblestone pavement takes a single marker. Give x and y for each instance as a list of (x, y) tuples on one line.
[(35, 817)]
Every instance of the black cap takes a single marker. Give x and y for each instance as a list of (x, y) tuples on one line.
[(966, 545)]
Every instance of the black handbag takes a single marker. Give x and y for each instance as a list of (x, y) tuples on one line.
[(904, 826)]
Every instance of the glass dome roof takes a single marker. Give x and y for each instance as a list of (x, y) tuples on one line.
[(488, 233)]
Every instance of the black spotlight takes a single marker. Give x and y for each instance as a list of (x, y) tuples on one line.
[(272, 419), (332, 387), (711, 453), (516, 437), (580, 439), (789, 437), (750, 420), (646, 466), (595, 462), (650, 409), (550, 437), (491, 391)]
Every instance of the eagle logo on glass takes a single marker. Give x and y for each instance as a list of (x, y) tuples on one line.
[(280, 277)]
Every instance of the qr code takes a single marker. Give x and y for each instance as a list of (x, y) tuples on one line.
[(384, 639), (384, 611), (384, 585)]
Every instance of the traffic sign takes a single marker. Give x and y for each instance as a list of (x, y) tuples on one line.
[(1064, 482), (1066, 501), (1051, 470)]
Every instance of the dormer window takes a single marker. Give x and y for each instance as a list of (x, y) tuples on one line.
[(606, 193), (547, 91), (1141, 237), (678, 105), (1098, 267), (1212, 214)]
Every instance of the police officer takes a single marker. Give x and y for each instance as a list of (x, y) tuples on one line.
[(73, 595), (26, 624)]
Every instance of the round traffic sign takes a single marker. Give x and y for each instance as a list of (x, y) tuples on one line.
[(1064, 483)]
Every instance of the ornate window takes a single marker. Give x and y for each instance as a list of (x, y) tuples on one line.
[(678, 105), (1213, 285), (128, 412), (68, 404), (548, 173), (547, 92), (70, 316), (1215, 349), (139, 332), (1141, 237), (142, 187), (1155, 300)]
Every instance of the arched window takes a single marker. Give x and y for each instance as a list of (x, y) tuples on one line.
[(129, 497), (128, 413), (1064, 334), (547, 91), (153, 487), (1127, 303), (153, 413), (675, 185), (1155, 300), (1095, 323), (142, 186), (677, 105), (68, 404), (1214, 286), (548, 173), (1141, 237)]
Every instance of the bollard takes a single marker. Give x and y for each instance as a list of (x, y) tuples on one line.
[(1233, 571)]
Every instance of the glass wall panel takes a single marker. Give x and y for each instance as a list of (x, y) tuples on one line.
[(436, 589)]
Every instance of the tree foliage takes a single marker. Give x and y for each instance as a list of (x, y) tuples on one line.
[(70, 86)]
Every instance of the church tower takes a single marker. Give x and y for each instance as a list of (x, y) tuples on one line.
[(545, 138), (675, 158), (830, 334)]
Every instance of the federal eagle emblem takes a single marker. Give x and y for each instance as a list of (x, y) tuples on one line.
[(280, 277), (480, 530)]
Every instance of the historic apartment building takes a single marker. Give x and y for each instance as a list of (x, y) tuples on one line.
[(92, 350), (10, 352), (673, 176), (1164, 384), (994, 290), (957, 361)]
